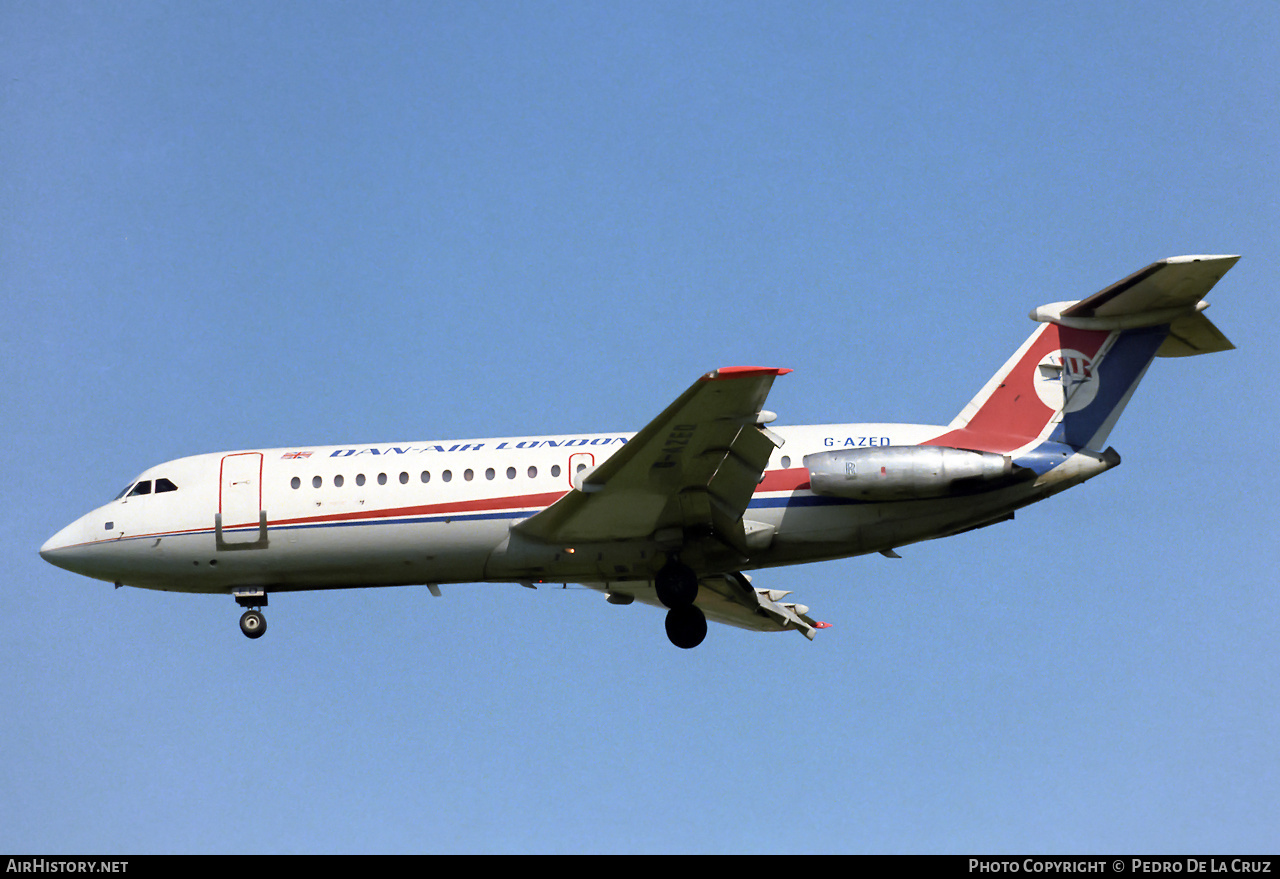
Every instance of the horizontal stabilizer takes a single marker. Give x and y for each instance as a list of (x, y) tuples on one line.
[(1071, 380), (1166, 293), (1177, 282), (1193, 334)]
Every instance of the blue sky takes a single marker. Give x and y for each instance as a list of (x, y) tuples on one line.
[(228, 225)]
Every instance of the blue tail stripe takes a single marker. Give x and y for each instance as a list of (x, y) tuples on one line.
[(1122, 366)]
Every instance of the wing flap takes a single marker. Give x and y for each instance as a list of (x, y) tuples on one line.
[(732, 600)]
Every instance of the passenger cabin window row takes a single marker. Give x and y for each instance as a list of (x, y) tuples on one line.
[(445, 476)]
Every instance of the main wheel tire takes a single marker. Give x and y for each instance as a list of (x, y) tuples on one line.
[(253, 624), (676, 585), (686, 627)]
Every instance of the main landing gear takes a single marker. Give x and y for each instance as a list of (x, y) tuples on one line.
[(252, 623), (686, 626), (677, 587)]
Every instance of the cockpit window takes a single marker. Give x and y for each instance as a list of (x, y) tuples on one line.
[(145, 487), (123, 491)]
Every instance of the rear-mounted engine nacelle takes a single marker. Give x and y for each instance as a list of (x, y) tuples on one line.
[(905, 472)]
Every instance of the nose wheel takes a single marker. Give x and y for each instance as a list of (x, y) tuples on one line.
[(253, 624)]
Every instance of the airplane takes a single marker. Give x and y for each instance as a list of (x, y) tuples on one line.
[(674, 516)]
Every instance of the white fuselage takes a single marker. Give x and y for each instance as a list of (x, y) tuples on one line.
[(442, 511)]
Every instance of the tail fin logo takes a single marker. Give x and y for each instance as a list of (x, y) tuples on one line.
[(1066, 380)]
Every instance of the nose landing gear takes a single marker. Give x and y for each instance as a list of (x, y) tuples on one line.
[(252, 623)]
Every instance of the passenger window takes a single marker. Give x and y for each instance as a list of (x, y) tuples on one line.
[(555, 469), (382, 479), (404, 478), (143, 487), (337, 481), (316, 481), (446, 475), (359, 479), (295, 482), (163, 484), (489, 474), (511, 473), (533, 472), (426, 477)]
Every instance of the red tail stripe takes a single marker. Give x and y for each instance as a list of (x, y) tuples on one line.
[(1014, 415)]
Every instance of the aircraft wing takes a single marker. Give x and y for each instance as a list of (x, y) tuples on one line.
[(694, 467)]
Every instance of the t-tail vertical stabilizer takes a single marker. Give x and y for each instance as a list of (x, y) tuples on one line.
[(1070, 381)]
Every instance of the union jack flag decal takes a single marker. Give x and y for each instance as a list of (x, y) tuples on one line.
[(289, 455)]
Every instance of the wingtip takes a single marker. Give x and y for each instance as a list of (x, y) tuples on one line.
[(1202, 257), (726, 372)]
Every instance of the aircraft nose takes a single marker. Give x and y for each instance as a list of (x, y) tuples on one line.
[(53, 544), (60, 549)]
